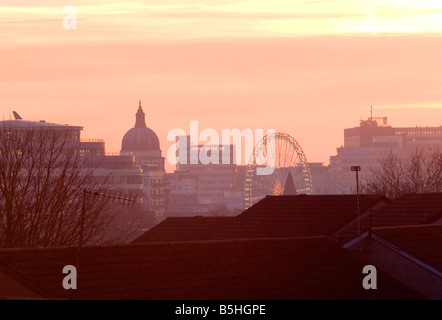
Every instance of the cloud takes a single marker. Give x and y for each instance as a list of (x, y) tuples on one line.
[(247, 15), (196, 19)]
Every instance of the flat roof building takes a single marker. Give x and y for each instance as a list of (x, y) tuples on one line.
[(365, 145)]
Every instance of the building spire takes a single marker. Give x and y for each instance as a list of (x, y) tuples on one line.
[(289, 189), (140, 117)]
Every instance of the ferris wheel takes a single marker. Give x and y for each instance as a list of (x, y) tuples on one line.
[(277, 158)]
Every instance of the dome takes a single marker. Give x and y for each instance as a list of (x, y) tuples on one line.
[(140, 137)]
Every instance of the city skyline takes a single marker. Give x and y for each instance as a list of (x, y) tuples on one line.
[(221, 150), (166, 145), (308, 68)]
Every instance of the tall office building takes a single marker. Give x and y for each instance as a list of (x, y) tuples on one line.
[(365, 145), (202, 187)]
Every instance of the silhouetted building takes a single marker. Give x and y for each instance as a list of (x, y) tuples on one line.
[(183, 188), (320, 178), (401, 238), (365, 145), (283, 247), (143, 143), (212, 183), (409, 254), (120, 172), (247, 269)]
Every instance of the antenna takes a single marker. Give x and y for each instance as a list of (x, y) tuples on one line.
[(382, 121), (127, 201)]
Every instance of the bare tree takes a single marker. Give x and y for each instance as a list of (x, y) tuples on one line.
[(420, 172), (42, 181)]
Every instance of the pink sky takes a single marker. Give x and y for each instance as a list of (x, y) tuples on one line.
[(308, 68)]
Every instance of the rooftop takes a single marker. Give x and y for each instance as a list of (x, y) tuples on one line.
[(26, 124), (184, 229), (410, 209), (283, 268), (423, 242), (297, 216)]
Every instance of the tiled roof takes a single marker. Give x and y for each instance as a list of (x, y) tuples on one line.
[(411, 209), (184, 229), (297, 216), (10, 287), (423, 242), (306, 268)]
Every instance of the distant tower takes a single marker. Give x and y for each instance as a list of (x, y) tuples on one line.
[(289, 189), (143, 143), (16, 115)]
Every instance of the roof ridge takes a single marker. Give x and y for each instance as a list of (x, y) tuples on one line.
[(406, 254), (365, 211), (429, 225), (159, 243)]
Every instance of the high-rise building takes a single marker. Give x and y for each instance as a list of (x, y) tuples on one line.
[(203, 187), (320, 178), (214, 178), (365, 145), (183, 189)]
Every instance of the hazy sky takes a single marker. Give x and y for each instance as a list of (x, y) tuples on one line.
[(308, 68)]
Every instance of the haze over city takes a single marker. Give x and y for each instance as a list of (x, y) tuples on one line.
[(308, 68), (229, 152)]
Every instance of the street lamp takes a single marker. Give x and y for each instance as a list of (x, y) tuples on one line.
[(357, 169)]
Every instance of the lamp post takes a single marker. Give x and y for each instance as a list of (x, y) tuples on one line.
[(357, 169)]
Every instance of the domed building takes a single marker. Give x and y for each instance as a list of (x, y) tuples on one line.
[(143, 143)]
